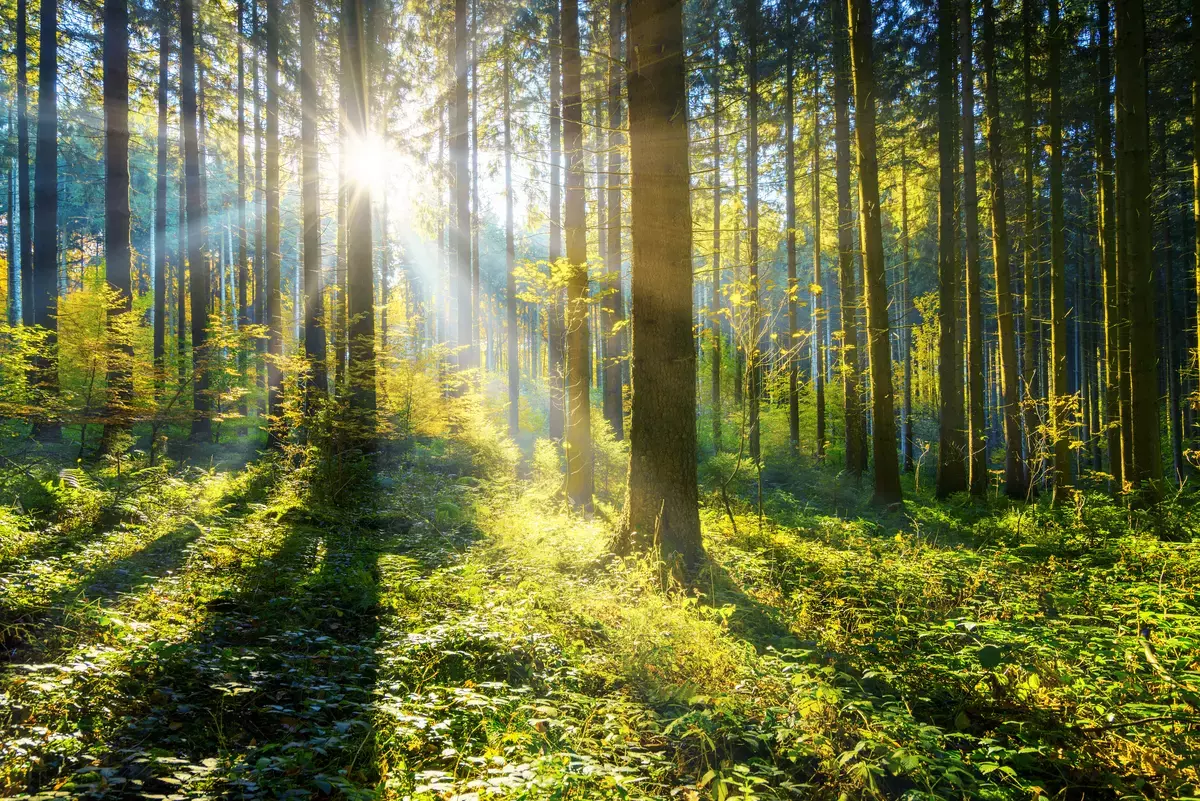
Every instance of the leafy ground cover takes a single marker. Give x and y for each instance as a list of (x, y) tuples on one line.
[(448, 631)]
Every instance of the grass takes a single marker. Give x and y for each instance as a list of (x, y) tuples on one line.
[(448, 630)]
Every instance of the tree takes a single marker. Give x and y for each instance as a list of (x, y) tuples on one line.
[(461, 237), (24, 215), (661, 506), (1015, 483), (578, 376), (554, 322), (715, 302), (976, 432), (793, 289), (1106, 223), (614, 301), (887, 469), (117, 253), (243, 269), (754, 343), (510, 280), (197, 222), (818, 302), (951, 467), (1030, 247), (855, 429), (1060, 399), (274, 301), (360, 285), (310, 192), (1134, 244), (160, 200)]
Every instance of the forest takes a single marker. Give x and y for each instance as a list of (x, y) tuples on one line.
[(600, 399)]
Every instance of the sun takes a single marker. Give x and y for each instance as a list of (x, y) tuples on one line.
[(368, 161)]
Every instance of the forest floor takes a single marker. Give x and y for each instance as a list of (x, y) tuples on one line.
[(447, 630)]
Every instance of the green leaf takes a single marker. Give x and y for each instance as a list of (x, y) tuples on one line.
[(990, 656)]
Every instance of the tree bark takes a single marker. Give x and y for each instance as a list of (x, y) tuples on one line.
[(818, 298), (856, 445), (554, 317), (1135, 252), (310, 198), (715, 328), (160, 204), (887, 469), (274, 301), (906, 314), (976, 367), (118, 260), (1015, 483), (754, 343), (461, 232), (614, 301), (1061, 402), (793, 288), (951, 467), (661, 507), (243, 260), (24, 212), (360, 277), (510, 284), (578, 377)]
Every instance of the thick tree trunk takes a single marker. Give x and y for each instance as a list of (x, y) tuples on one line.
[(887, 469), (661, 508), (1134, 246), (243, 261), (906, 315), (510, 284), (160, 204), (24, 213), (1106, 225), (578, 377), (951, 468), (856, 445), (274, 301), (1060, 396), (1030, 251), (360, 277), (818, 298), (754, 338), (715, 328), (461, 232), (197, 225), (554, 318), (793, 288), (614, 301), (976, 369), (476, 296), (310, 199), (118, 261), (1015, 483), (45, 232)]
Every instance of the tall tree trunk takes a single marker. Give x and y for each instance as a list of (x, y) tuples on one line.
[(274, 267), (818, 298), (661, 507), (24, 213), (976, 423), (476, 297), (1106, 225), (197, 224), (1030, 249), (856, 453), (715, 300), (578, 378), (887, 469), (614, 300), (461, 237), (181, 254), (160, 204), (951, 468), (45, 190), (1171, 367), (360, 283), (1060, 396), (310, 197), (554, 318), (259, 193), (1195, 167), (510, 283), (754, 338), (118, 261), (906, 314), (793, 288), (1134, 245), (1015, 485), (243, 269)]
